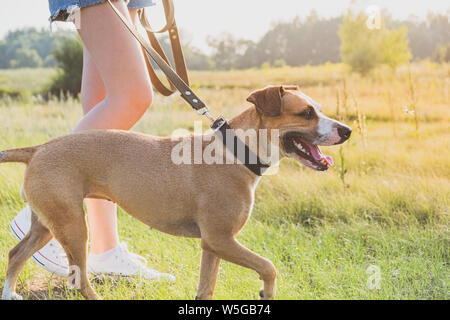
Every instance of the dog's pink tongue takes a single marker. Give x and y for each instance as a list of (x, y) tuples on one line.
[(318, 155)]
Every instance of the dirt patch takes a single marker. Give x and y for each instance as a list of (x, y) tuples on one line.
[(43, 287)]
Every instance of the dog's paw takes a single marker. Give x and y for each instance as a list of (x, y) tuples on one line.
[(263, 296)]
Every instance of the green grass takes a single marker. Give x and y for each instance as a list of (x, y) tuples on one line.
[(321, 235)]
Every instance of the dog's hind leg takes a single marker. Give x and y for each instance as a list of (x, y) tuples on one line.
[(72, 234), (228, 248), (34, 240), (208, 275), (60, 208)]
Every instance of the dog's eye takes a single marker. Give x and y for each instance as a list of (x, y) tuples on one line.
[(308, 113)]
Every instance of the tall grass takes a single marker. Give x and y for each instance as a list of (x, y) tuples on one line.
[(413, 102)]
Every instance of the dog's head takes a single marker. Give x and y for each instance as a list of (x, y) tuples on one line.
[(301, 124)]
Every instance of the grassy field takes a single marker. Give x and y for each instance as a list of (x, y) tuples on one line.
[(384, 206)]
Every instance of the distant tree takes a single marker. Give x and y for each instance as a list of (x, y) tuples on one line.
[(246, 54), (266, 65), (279, 63), (29, 43), (49, 61), (312, 40), (442, 54), (69, 58), (26, 58), (229, 52), (425, 35), (363, 48), (275, 44), (197, 60), (394, 47), (360, 46), (4, 61)]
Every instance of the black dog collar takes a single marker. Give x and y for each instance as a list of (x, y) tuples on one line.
[(229, 138)]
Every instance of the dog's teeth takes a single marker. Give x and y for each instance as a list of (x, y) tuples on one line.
[(300, 147)]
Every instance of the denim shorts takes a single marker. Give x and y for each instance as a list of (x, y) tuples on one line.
[(61, 10)]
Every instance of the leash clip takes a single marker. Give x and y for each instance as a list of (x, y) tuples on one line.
[(205, 112)]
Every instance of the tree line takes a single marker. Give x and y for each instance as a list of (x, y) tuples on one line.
[(29, 48), (303, 41), (315, 40)]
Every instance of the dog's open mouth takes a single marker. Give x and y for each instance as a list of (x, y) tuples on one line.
[(305, 152)]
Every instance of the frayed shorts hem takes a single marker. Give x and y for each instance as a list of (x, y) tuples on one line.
[(63, 10)]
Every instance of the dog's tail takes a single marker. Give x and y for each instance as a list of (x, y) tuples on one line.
[(23, 155)]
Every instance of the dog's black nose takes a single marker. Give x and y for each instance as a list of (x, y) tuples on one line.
[(344, 132)]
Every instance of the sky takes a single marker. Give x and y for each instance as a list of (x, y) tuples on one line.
[(248, 19)]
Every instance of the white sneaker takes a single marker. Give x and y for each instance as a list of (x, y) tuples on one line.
[(119, 261), (52, 256)]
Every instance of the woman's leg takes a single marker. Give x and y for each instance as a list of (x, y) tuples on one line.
[(115, 59), (120, 62), (102, 214)]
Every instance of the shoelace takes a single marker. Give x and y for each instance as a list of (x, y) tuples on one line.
[(139, 260)]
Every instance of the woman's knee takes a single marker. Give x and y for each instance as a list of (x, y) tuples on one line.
[(136, 99), (141, 98), (90, 99), (144, 98)]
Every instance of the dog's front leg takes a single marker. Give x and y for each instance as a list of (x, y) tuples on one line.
[(228, 248), (208, 274)]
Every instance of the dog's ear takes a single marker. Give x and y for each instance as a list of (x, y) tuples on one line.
[(268, 100)]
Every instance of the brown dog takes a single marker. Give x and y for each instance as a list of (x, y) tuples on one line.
[(207, 201)]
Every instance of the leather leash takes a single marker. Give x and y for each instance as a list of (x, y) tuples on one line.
[(177, 51), (219, 125)]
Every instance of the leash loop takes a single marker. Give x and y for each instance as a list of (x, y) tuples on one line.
[(177, 51), (169, 10)]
